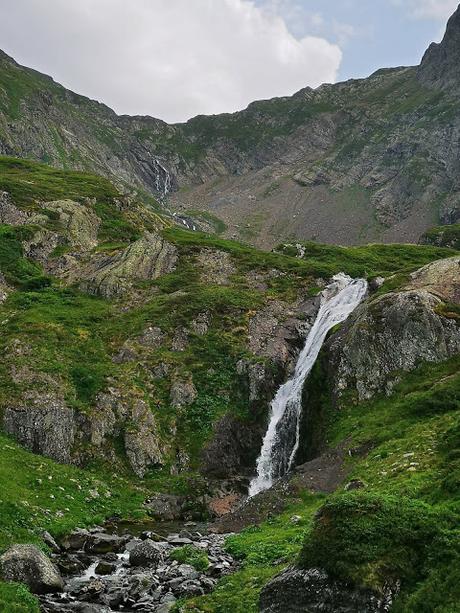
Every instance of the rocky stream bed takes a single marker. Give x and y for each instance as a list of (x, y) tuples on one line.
[(123, 569)]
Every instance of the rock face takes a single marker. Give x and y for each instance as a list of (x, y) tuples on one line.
[(112, 276), (46, 426), (312, 591), (441, 278), (387, 335), (9, 213), (440, 67), (79, 223), (27, 564)]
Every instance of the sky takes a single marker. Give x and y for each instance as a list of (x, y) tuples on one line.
[(174, 59)]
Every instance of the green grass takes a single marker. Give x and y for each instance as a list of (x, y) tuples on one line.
[(369, 260), (16, 598), (17, 270), (262, 551), (191, 555), (444, 236)]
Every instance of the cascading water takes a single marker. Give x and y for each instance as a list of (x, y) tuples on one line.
[(281, 442)]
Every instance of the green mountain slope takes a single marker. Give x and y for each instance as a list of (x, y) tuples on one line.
[(155, 352)]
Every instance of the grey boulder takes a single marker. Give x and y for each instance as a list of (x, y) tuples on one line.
[(27, 564)]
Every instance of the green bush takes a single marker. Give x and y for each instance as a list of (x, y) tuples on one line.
[(369, 538), (189, 554)]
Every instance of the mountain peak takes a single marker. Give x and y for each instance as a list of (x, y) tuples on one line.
[(440, 67)]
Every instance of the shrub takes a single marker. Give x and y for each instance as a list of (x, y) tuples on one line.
[(370, 538), (189, 554)]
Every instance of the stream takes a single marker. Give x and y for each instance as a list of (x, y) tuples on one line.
[(130, 567)]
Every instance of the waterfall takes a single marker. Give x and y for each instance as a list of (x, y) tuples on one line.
[(281, 442), (162, 179)]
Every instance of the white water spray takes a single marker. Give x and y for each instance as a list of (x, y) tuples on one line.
[(281, 441)]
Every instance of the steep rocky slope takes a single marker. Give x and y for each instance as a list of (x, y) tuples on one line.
[(366, 160)]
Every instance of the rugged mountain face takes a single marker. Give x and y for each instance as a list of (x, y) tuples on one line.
[(368, 160), (440, 67)]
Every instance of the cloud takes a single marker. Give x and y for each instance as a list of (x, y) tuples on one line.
[(171, 59), (429, 9)]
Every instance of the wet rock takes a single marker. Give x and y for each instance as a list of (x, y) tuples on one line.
[(146, 553), (76, 540), (27, 564), (104, 543), (50, 542), (298, 591), (104, 568), (164, 507), (179, 541)]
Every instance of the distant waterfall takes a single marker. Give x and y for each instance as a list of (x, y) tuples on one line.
[(281, 441), (162, 179)]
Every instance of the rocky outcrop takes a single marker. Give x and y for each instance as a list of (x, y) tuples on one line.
[(390, 334), (313, 591), (79, 224), (217, 266), (441, 278), (45, 425), (144, 260), (4, 289), (9, 213), (182, 393), (121, 413), (27, 564), (440, 67)]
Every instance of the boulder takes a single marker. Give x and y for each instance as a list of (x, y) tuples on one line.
[(182, 393), (76, 540), (164, 507), (146, 553), (389, 334), (101, 542), (313, 591), (27, 564)]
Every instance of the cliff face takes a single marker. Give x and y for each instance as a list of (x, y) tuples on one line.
[(368, 160), (440, 67)]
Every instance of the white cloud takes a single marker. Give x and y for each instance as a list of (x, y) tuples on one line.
[(429, 9), (168, 58)]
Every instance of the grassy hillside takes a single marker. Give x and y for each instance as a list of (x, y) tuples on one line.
[(54, 337)]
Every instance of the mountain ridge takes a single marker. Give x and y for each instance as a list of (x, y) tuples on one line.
[(346, 163)]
